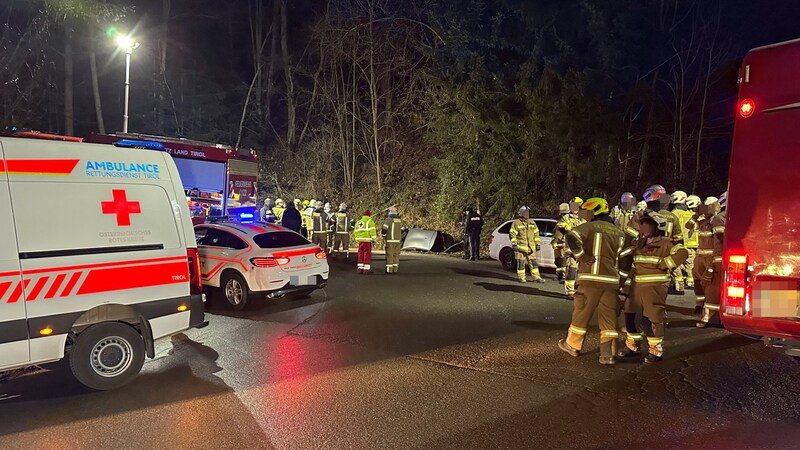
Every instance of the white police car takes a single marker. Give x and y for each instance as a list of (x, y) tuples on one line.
[(244, 260)]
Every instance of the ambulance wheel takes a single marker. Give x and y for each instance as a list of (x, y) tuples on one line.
[(235, 291), (508, 259), (107, 355)]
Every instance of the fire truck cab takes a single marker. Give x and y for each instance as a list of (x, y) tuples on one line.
[(761, 260)]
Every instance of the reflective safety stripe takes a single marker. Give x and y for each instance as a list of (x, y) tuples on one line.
[(719, 230), (701, 298), (626, 252), (647, 259), (670, 262), (598, 243), (628, 282), (609, 333), (393, 241), (717, 259), (632, 231), (635, 337), (705, 252), (624, 274), (676, 249), (366, 266), (577, 330), (711, 307), (363, 239), (598, 278), (669, 228), (654, 278), (655, 341), (579, 254), (704, 233)]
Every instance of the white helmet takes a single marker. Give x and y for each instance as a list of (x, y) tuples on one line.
[(679, 197), (627, 199), (654, 193), (661, 221), (641, 206), (523, 210), (563, 208), (723, 200), (693, 201), (711, 201)]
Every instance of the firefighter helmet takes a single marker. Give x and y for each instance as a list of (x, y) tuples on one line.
[(280, 203), (392, 210), (577, 200), (723, 200), (711, 200), (523, 211), (654, 193), (693, 201), (343, 207), (641, 206), (318, 204), (660, 221), (679, 197), (563, 208), (306, 202), (627, 199), (596, 205)]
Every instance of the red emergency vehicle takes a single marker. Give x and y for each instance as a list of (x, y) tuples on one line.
[(219, 180), (761, 285)]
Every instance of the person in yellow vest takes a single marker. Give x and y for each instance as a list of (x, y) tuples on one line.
[(526, 242), (597, 245), (342, 227), (681, 211), (562, 251), (392, 232), (308, 225), (365, 235), (627, 208), (655, 255), (701, 229), (278, 209)]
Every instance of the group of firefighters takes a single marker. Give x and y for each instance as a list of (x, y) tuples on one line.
[(629, 259), (331, 230)]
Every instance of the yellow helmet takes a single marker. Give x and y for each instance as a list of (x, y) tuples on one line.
[(596, 205), (306, 202), (577, 200)]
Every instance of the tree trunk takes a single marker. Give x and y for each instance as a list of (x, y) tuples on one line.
[(69, 113), (373, 90), (702, 124), (162, 64), (649, 133), (273, 51), (291, 109), (98, 106)]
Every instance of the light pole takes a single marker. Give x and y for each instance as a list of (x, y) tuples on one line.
[(128, 44)]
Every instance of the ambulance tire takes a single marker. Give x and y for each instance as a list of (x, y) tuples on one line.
[(107, 355), (234, 290)]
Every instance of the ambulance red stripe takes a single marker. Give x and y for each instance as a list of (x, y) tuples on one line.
[(121, 278), (41, 166), (73, 280), (37, 289), (17, 292), (56, 284), (111, 264)]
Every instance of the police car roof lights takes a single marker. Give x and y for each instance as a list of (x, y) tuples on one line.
[(147, 145)]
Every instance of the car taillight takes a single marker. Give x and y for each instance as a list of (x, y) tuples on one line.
[(195, 277), (735, 290), (321, 254), (269, 261)]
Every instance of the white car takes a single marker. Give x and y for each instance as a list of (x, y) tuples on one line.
[(500, 244), (245, 260)]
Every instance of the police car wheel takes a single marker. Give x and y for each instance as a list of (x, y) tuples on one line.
[(107, 355), (235, 291), (507, 259)]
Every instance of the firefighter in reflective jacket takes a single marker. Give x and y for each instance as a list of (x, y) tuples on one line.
[(526, 242), (392, 232), (365, 235), (627, 208), (342, 227), (278, 209), (656, 199), (597, 246), (563, 254), (319, 227), (713, 280), (681, 211), (654, 257), (700, 228)]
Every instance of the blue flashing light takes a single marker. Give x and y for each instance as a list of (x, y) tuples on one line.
[(147, 145), (247, 216)]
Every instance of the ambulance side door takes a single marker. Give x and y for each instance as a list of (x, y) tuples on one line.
[(14, 345)]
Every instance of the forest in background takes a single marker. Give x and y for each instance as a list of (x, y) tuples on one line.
[(431, 105)]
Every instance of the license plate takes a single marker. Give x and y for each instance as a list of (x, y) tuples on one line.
[(776, 299), (302, 280)]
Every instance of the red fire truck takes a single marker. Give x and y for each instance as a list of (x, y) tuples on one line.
[(761, 288), (218, 179)]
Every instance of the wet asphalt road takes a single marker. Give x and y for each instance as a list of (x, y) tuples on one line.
[(448, 354)]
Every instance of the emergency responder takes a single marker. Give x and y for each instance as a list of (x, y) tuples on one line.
[(278, 210), (597, 245), (559, 242), (305, 213), (627, 207), (319, 227), (330, 220), (392, 231), (526, 242), (365, 235), (473, 225), (575, 205), (654, 256), (713, 280), (641, 206), (266, 214), (291, 219), (342, 227), (567, 222), (699, 228), (656, 199), (683, 274)]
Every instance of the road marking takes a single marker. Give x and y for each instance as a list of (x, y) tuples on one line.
[(7, 397)]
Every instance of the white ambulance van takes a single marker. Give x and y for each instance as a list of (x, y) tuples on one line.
[(97, 257)]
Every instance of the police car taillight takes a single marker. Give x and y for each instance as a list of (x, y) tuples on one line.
[(269, 261), (195, 280), (146, 145), (736, 292)]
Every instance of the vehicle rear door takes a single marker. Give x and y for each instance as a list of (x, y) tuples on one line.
[(14, 345)]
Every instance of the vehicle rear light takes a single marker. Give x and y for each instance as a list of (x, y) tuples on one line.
[(195, 278), (269, 261), (746, 108), (736, 292), (321, 254)]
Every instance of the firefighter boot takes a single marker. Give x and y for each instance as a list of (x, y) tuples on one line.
[(562, 344), (607, 350)]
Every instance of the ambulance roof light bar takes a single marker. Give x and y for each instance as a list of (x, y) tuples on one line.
[(147, 145)]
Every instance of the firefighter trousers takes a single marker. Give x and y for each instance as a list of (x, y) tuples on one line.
[(527, 260), (712, 291), (589, 297), (343, 240), (701, 265), (320, 238), (570, 274), (682, 274), (392, 257), (364, 257), (649, 300)]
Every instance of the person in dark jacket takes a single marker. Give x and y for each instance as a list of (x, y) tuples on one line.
[(291, 218), (473, 224)]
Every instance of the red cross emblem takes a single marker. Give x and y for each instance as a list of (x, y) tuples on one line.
[(121, 207)]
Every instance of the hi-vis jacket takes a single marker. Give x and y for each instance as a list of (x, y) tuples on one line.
[(525, 234), (365, 230), (702, 229), (684, 217), (623, 219), (563, 227), (342, 223), (654, 259), (597, 245), (392, 229), (319, 222)]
